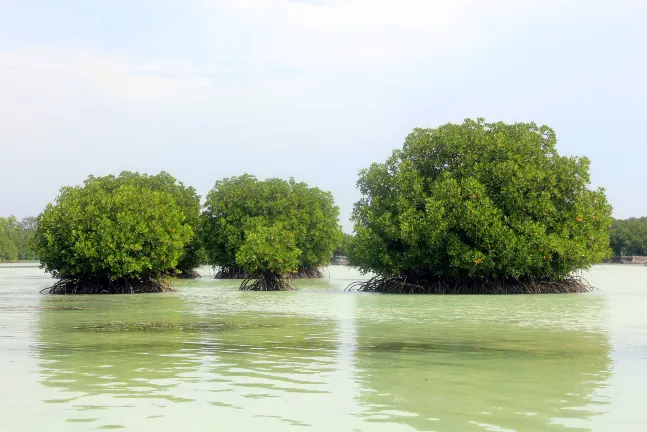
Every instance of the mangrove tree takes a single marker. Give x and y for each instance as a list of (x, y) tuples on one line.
[(479, 208), (268, 231), (109, 236)]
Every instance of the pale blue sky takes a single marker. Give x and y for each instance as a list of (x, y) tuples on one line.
[(312, 89)]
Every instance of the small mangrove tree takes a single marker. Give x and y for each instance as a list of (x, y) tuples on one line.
[(479, 208), (268, 231), (111, 236)]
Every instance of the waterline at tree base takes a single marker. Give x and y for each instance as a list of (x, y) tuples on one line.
[(107, 286), (267, 281), (231, 273), (407, 285), (239, 273)]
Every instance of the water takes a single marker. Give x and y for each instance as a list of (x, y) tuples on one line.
[(210, 357)]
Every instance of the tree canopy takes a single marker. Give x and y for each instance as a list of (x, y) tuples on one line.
[(629, 236), (14, 238), (185, 197), (276, 226), (479, 207), (111, 236)]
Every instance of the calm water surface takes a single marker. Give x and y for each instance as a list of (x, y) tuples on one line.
[(210, 357)]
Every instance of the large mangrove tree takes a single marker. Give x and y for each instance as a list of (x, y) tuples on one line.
[(112, 235), (479, 208), (267, 232)]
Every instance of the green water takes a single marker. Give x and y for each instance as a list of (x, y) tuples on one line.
[(212, 358)]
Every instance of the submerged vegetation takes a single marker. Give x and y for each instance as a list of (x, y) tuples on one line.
[(479, 208), (267, 232), (112, 235)]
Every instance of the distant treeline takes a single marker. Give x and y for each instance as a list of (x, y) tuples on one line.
[(629, 236), (344, 247), (14, 238)]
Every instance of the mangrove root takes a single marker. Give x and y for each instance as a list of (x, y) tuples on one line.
[(404, 285), (106, 286), (231, 273), (267, 282)]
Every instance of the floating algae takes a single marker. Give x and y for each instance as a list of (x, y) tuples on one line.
[(165, 326)]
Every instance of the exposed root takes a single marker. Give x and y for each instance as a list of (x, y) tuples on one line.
[(267, 282), (231, 273), (106, 286), (402, 285), (311, 273)]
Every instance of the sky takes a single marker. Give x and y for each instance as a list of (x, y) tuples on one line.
[(310, 89)]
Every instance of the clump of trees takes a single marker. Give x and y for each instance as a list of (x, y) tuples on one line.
[(629, 236), (344, 246), (14, 238), (268, 232), (479, 208), (114, 235)]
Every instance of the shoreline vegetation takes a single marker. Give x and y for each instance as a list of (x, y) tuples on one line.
[(471, 208)]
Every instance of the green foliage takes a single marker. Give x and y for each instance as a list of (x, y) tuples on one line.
[(238, 207), (268, 247), (629, 236), (480, 200), (185, 197), (14, 238), (109, 230), (8, 250), (344, 246)]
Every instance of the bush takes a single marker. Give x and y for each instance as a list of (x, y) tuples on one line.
[(111, 237), (479, 207)]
